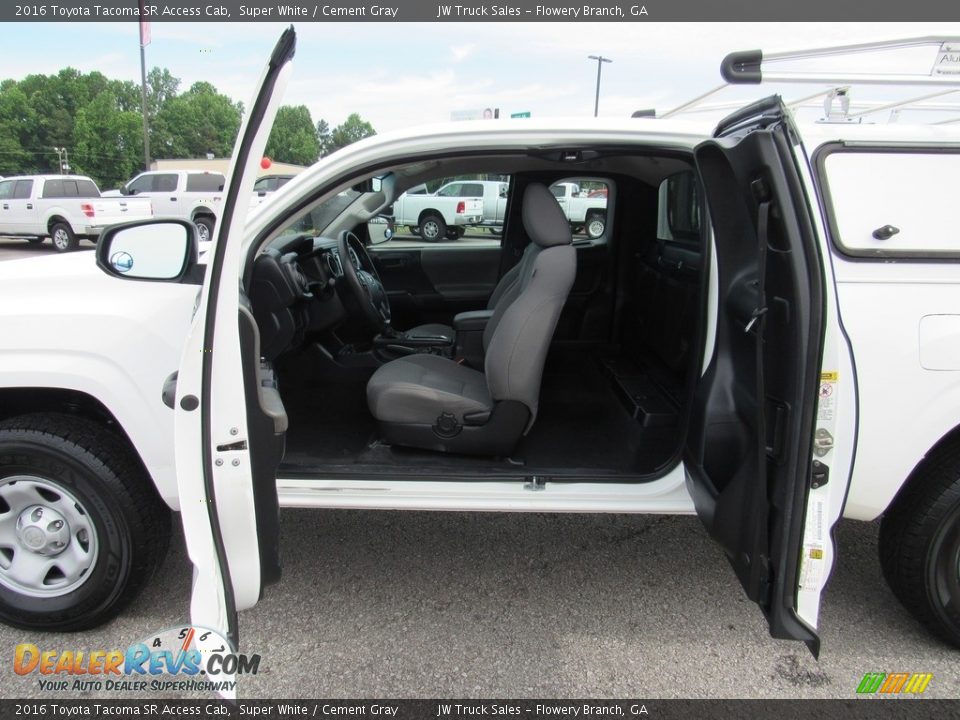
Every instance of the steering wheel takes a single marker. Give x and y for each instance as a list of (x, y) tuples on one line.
[(363, 281)]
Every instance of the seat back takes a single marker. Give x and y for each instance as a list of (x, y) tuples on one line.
[(518, 335)]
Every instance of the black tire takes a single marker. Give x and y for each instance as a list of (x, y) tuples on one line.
[(432, 228), (455, 233), (595, 225), (920, 544), (63, 238), (35, 241), (205, 225), (130, 524)]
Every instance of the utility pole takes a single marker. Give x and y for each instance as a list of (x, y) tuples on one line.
[(144, 41), (600, 61)]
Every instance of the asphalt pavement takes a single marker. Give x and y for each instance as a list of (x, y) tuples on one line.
[(415, 604)]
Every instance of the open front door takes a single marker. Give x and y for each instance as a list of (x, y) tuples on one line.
[(757, 477), (230, 422)]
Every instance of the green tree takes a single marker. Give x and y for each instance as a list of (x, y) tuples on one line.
[(293, 138), (16, 119), (107, 141), (352, 129), (161, 88), (323, 137), (199, 121)]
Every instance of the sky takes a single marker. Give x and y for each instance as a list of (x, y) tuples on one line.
[(398, 75)]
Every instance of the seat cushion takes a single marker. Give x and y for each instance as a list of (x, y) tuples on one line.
[(417, 389), (433, 330)]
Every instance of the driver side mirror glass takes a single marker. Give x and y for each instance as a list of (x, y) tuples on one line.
[(380, 229), (155, 250)]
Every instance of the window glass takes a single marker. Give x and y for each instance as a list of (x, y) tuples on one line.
[(53, 188), (451, 190), (467, 209), (315, 222), (22, 189), (87, 189), (261, 185), (165, 183), (70, 188), (203, 182), (144, 183), (584, 202), (6, 189), (678, 214)]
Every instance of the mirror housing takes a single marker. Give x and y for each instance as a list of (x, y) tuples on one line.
[(162, 250)]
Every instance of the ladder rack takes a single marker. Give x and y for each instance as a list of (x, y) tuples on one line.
[(754, 67)]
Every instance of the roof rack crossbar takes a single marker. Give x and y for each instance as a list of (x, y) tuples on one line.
[(751, 67)]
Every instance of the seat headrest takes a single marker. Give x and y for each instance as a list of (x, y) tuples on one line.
[(543, 218)]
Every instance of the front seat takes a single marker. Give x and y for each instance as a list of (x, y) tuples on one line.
[(428, 401), (505, 292)]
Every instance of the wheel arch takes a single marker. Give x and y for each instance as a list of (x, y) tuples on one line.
[(427, 212), (202, 211), (55, 219), (948, 441), (34, 400)]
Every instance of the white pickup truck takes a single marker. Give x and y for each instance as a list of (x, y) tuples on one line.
[(435, 216), (583, 211), (805, 267), (194, 195), (67, 208)]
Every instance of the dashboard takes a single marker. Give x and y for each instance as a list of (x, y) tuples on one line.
[(293, 291)]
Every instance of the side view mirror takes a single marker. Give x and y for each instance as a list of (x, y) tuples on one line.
[(262, 193), (124, 190), (158, 250), (381, 221)]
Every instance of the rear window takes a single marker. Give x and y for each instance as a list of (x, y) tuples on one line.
[(70, 188), (205, 182)]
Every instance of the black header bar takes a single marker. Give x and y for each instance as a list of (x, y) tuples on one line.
[(624, 11)]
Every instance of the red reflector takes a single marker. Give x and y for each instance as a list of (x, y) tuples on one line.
[(461, 207), (87, 209)]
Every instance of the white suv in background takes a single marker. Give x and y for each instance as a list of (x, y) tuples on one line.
[(195, 195)]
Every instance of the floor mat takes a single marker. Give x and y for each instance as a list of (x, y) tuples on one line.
[(581, 426)]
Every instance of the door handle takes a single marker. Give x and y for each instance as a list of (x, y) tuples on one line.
[(173, 199), (6, 207), (29, 206)]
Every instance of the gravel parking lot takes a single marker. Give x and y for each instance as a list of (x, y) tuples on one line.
[(389, 604)]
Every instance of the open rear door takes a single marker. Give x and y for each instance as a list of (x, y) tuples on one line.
[(750, 457), (230, 422)]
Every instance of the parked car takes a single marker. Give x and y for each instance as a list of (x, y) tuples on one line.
[(270, 183), (728, 352), (195, 195), (585, 211), (438, 216), (66, 208)]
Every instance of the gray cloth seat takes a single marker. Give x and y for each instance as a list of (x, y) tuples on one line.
[(505, 291), (432, 402), (410, 389)]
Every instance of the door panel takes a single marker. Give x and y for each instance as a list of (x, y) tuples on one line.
[(230, 443), (749, 446), (432, 284)]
